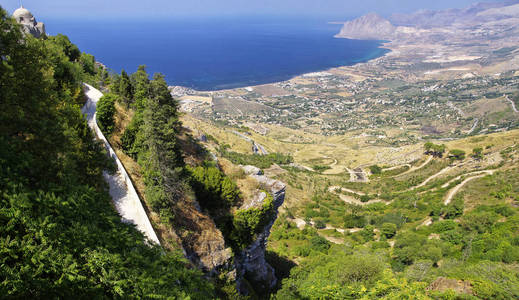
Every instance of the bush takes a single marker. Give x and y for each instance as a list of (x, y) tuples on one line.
[(443, 226), (477, 153), (319, 224), (213, 189), (354, 221), (249, 222), (260, 161), (456, 154), (375, 170), (105, 113), (434, 150), (388, 230)]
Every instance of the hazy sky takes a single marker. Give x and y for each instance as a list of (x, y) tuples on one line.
[(162, 8)]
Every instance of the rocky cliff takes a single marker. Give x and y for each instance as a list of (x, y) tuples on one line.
[(251, 263), (368, 27), (205, 245)]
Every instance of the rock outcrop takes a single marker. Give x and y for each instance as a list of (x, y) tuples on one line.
[(368, 27), (251, 263), (203, 243), (29, 23)]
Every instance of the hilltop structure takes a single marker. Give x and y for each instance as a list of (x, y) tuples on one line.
[(30, 25)]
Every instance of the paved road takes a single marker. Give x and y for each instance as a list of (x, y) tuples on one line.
[(124, 196)]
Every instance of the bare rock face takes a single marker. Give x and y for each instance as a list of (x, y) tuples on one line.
[(203, 244), (252, 170), (30, 25), (368, 27), (251, 263)]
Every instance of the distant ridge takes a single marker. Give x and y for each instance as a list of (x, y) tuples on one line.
[(369, 27)]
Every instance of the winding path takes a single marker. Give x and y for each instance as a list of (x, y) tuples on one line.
[(412, 169), (426, 181), (513, 104), (476, 122), (124, 196), (455, 190), (397, 167)]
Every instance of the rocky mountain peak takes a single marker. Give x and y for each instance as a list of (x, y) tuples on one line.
[(368, 27)]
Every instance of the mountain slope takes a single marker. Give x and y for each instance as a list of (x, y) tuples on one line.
[(60, 236), (368, 27)]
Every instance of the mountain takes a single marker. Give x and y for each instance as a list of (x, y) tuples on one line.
[(475, 13), (369, 27)]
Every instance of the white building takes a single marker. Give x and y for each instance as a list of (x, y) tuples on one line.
[(30, 26)]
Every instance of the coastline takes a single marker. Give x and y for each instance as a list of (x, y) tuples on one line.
[(383, 45)]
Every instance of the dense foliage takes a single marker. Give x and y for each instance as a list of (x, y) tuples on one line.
[(213, 188), (260, 161), (105, 114), (435, 150), (59, 234), (415, 243)]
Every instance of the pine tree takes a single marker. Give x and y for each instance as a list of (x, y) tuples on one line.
[(125, 88)]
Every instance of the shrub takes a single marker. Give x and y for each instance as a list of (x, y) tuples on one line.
[(443, 226), (477, 153), (354, 221), (213, 189), (375, 170), (249, 222), (456, 154), (388, 230), (434, 150), (105, 113), (319, 224)]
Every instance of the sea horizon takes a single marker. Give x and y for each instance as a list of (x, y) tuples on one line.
[(210, 54)]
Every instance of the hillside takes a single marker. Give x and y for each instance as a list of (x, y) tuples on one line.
[(368, 27), (392, 179), (401, 172), (60, 235)]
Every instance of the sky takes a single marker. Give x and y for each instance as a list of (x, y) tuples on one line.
[(157, 9)]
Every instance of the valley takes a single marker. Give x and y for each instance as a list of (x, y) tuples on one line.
[(395, 178), (362, 179)]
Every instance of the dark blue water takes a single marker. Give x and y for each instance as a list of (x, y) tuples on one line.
[(212, 53)]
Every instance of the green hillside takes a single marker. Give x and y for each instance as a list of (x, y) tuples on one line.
[(60, 236)]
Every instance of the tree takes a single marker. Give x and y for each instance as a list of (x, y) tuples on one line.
[(88, 63), (477, 153), (141, 84), (60, 234), (375, 170), (105, 113), (69, 49), (456, 154), (125, 88), (388, 230), (434, 150)]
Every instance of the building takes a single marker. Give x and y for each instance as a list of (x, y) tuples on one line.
[(30, 25)]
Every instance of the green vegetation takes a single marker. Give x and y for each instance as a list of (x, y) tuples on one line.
[(105, 113), (249, 222), (214, 189), (419, 241), (388, 230), (435, 150), (320, 168), (375, 170), (260, 161), (477, 153), (456, 154), (60, 236)]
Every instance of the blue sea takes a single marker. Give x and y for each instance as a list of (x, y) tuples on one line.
[(217, 53)]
